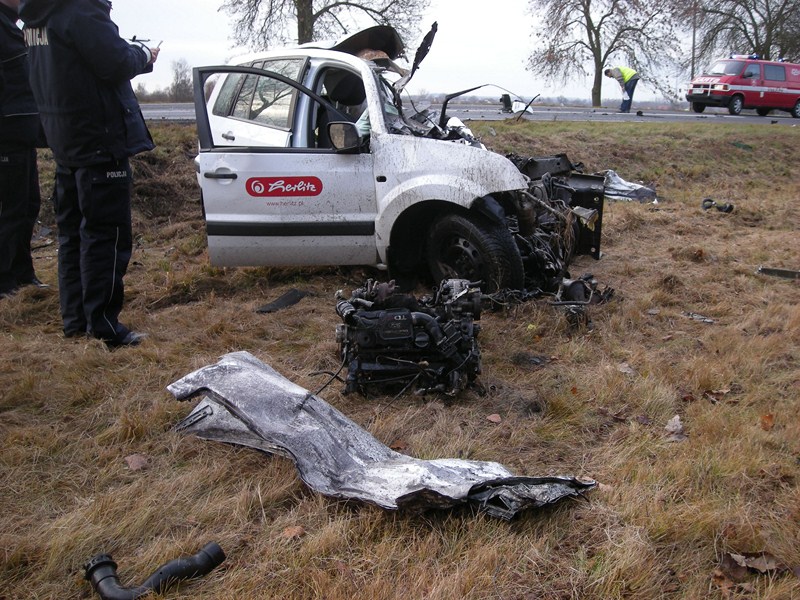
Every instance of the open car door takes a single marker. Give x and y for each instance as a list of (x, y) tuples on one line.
[(273, 193)]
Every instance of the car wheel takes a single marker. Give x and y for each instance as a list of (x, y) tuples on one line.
[(736, 105), (697, 107), (466, 247), (796, 110), (763, 112)]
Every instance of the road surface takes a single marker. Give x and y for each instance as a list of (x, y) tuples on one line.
[(491, 112)]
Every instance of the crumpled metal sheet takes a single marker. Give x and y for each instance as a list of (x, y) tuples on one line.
[(246, 402), (616, 188)]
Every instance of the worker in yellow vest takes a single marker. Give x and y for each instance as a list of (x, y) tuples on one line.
[(627, 78)]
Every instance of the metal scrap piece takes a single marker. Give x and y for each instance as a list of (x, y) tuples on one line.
[(775, 272), (250, 404)]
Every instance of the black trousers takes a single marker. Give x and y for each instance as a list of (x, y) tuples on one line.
[(19, 209), (93, 213)]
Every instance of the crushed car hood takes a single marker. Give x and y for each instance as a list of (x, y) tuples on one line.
[(246, 402)]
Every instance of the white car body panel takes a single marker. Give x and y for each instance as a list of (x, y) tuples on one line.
[(421, 169)]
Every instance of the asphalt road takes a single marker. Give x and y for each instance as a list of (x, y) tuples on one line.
[(477, 112)]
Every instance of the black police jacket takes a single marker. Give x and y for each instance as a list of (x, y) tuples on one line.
[(80, 74), (19, 118)]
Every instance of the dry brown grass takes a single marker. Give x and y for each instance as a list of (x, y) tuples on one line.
[(71, 411)]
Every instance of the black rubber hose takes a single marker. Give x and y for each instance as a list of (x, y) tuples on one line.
[(101, 571)]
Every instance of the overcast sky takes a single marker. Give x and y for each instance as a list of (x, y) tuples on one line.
[(473, 46)]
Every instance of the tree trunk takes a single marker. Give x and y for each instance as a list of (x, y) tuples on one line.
[(597, 86), (305, 21)]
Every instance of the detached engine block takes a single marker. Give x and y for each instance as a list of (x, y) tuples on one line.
[(396, 341)]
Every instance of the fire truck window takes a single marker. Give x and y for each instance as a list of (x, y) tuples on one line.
[(752, 72), (774, 73)]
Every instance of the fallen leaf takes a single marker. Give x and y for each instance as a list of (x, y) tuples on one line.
[(728, 581), (675, 430), (136, 462), (767, 422), (617, 416), (763, 562), (733, 567), (626, 369), (574, 390), (715, 395), (725, 585), (343, 568), (688, 397), (293, 532), (495, 418)]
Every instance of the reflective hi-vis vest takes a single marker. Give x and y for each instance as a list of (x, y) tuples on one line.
[(627, 73)]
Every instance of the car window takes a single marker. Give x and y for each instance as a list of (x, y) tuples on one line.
[(266, 100), (230, 87), (288, 67), (342, 88), (260, 99), (244, 99), (752, 72), (775, 72), (726, 67)]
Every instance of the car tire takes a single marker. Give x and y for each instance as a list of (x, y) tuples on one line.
[(796, 110), (467, 247), (736, 105), (697, 107), (763, 112)]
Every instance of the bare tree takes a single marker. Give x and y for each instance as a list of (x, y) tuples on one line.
[(263, 23), (180, 90), (770, 28), (581, 37)]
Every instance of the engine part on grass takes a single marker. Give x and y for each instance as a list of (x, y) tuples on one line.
[(573, 298), (775, 272), (558, 217), (247, 402), (583, 291), (101, 571), (698, 317), (396, 341), (725, 207)]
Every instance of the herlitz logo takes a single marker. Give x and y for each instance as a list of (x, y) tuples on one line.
[(262, 187)]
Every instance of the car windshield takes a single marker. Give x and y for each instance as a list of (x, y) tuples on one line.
[(400, 113), (726, 67)]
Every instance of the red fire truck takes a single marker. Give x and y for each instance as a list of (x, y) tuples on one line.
[(744, 81)]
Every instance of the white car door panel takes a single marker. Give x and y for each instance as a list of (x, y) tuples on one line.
[(272, 200), (289, 208)]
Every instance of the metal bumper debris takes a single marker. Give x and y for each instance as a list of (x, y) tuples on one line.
[(616, 188), (775, 272), (246, 402)]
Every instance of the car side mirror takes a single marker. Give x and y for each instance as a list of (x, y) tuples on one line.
[(344, 136)]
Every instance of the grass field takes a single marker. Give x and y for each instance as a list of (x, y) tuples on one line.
[(669, 518)]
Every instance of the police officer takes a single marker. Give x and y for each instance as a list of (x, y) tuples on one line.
[(627, 79), (19, 179), (80, 74)]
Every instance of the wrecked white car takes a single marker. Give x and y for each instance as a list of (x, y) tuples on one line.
[(314, 155)]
